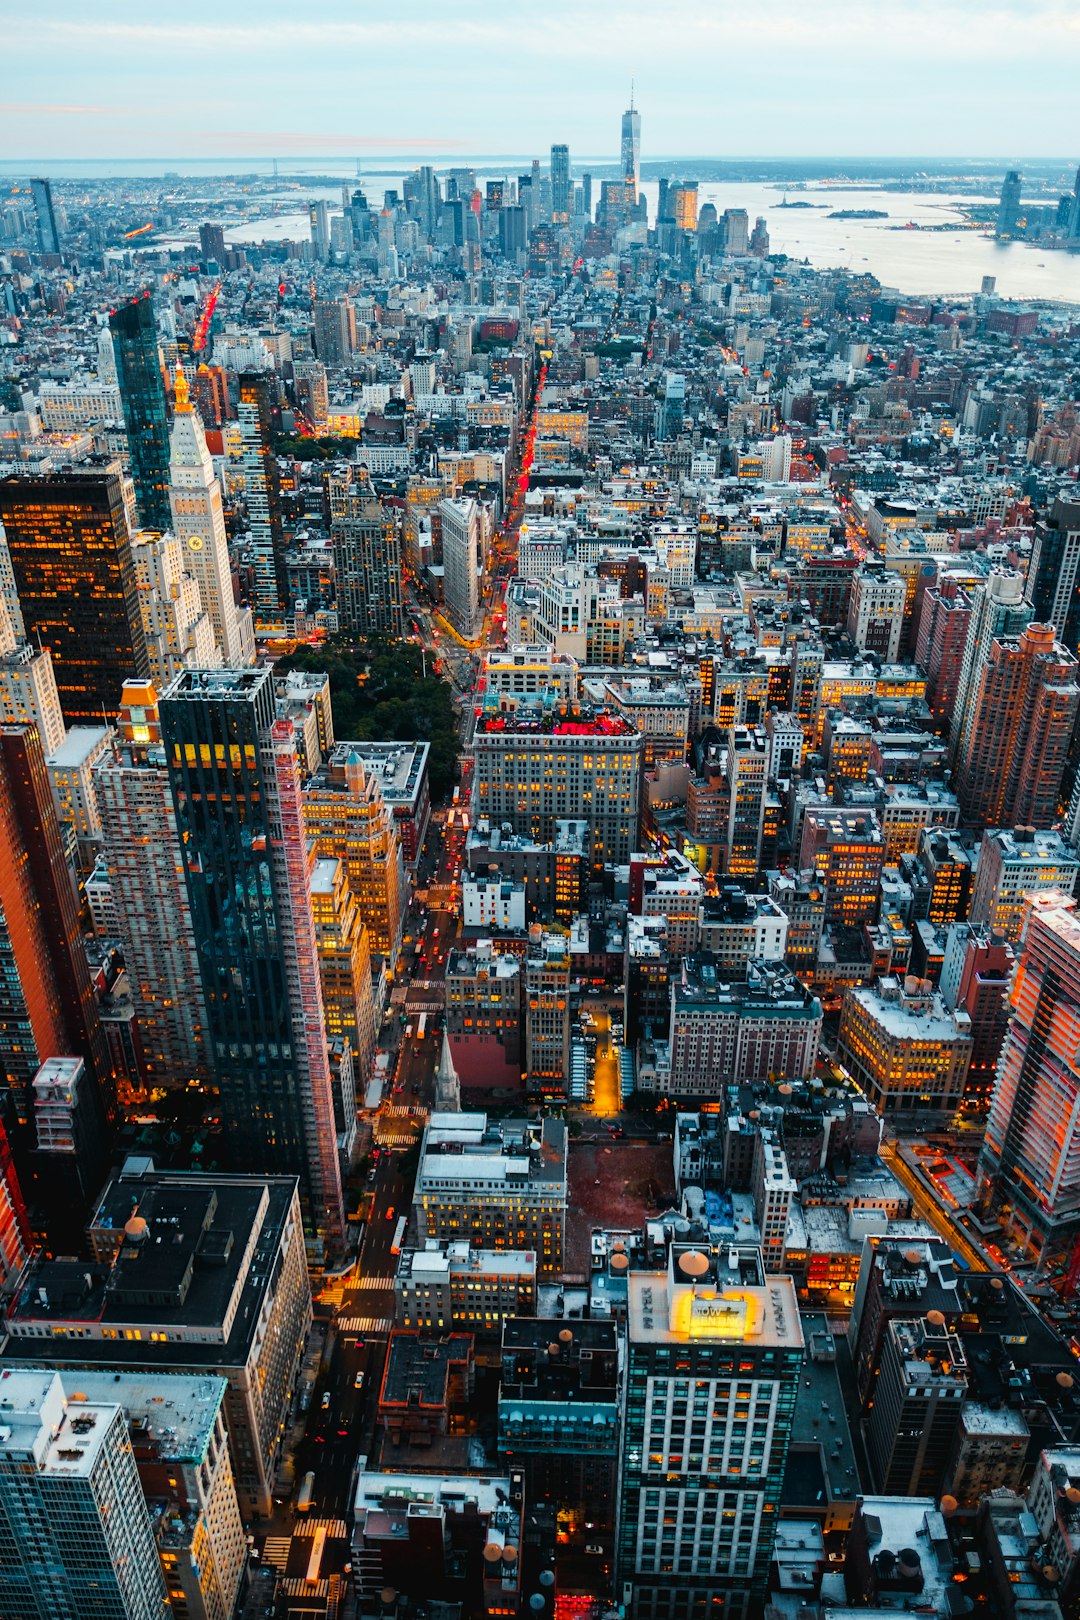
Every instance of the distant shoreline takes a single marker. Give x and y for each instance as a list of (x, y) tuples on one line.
[(925, 173)]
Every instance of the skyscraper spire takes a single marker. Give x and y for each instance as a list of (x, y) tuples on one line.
[(630, 146), (198, 520), (447, 1084)]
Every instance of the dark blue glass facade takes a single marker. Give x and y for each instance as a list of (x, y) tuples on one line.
[(212, 725), (142, 387)]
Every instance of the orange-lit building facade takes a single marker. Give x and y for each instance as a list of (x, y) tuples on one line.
[(908, 1052), (344, 962), (48, 1007), (533, 770), (349, 820), (1022, 715), (848, 853), (1029, 1171), (71, 559)]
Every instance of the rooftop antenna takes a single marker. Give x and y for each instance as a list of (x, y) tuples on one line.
[(275, 168), (631, 95)]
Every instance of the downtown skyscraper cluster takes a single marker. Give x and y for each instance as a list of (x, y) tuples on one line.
[(538, 778)]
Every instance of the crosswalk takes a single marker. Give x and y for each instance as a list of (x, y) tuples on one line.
[(335, 1294), (403, 1111), (396, 1138), (364, 1324), (276, 1551)]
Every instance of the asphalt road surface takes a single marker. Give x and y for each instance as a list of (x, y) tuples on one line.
[(341, 1417)]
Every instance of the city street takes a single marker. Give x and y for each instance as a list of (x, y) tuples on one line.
[(341, 1414), (928, 1208), (607, 1091)]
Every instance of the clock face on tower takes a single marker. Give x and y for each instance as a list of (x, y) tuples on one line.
[(195, 542)]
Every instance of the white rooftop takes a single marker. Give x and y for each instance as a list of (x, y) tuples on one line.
[(78, 747), (488, 1494), (435, 1261), (456, 1128), (473, 1166), (38, 1422), (979, 1419), (664, 1313), (180, 1408), (322, 877)]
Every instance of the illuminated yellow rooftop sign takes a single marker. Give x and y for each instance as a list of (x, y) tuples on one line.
[(705, 1313)]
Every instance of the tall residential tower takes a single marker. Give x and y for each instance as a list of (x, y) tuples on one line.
[(366, 538), (262, 492), (74, 1523), (1020, 720), (144, 864), (1029, 1170)]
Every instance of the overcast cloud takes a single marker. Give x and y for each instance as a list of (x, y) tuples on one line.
[(760, 77)]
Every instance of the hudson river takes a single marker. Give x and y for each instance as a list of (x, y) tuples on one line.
[(949, 263)]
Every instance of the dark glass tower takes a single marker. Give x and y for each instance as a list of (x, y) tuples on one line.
[(71, 557), (561, 192), (1009, 206), (48, 230), (236, 789), (142, 387)]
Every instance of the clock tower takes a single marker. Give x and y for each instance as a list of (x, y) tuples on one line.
[(199, 523)]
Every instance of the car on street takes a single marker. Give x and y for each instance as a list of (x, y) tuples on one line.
[(358, 1381), (390, 1213), (326, 1401)]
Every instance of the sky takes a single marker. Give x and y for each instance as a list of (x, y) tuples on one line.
[(446, 78)]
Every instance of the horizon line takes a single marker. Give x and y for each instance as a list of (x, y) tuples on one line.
[(660, 157)]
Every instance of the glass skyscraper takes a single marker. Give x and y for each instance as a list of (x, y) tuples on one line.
[(630, 145), (70, 550), (561, 191), (48, 228), (142, 386), (236, 790)]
